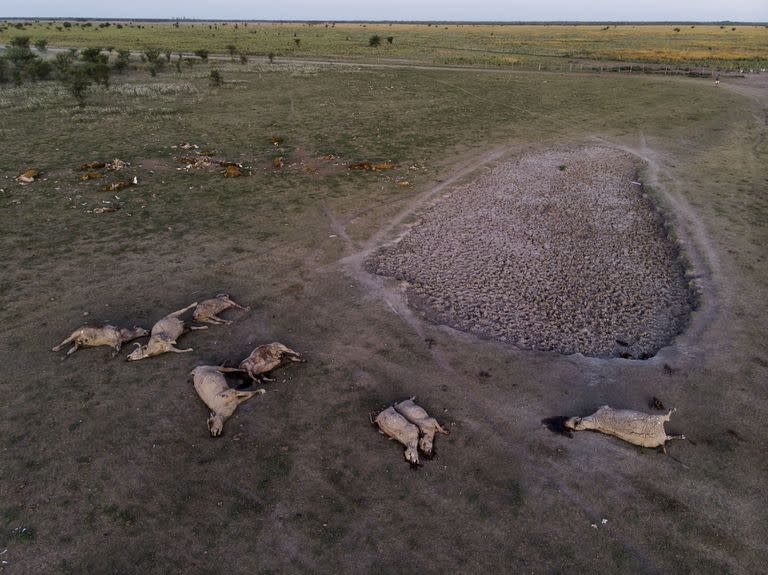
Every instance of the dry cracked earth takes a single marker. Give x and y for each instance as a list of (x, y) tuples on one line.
[(555, 251)]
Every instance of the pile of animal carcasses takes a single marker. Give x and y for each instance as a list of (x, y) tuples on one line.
[(209, 381), (411, 425)]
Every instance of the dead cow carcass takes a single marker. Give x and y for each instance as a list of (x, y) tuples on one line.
[(427, 425), (28, 177), (120, 185), (211, 386), (267, 357), (96, 335), (397, 427), (164, 335), (633, 427), (207, 310)]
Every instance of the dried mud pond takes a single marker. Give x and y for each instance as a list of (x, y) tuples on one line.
[(554, 251)]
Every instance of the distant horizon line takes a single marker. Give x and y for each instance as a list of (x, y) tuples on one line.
[(331, 21)]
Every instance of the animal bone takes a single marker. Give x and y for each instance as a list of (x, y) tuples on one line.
[(420, 418), (206, 311), (632, 426), (164, 335), (267, 357), (397, 427), (211, 386), (96, 335), (28, 177)]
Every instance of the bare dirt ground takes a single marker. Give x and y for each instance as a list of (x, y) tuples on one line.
[(107, 467), (555, 252)]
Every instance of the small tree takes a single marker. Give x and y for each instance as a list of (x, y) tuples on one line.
[(3, 70), (271, 57), (41, 45), (202, 54), (62, 63), (77, 83), (374, 40), (215, 79), (122, 61)]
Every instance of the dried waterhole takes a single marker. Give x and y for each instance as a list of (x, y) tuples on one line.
[(554, 251)]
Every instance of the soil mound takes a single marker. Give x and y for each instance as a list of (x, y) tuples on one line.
[(554, 251)]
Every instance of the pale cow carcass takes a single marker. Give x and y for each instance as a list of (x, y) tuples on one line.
[(97, 335), (397, 427), (164, 335), (211, 385), (427, 425), (634, 427)]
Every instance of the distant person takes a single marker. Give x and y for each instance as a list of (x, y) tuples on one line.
[(717, 79)]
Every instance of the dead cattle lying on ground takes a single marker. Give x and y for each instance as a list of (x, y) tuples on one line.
[(211, 386), (207, 310), (164, 335), (267, 357), (96, 335), (28, 177), (632, 426), (397, 427), (427, 425)]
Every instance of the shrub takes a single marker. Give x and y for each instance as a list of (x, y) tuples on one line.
[(243, 58), (271, 57), (374, 40), (297, 41), (390, 39), (41, 45), (215, 79), (231, 49), (20, 42), (77, 83), (39, 69), (3, 70), (93, 55), (62, 63), (202, 54)]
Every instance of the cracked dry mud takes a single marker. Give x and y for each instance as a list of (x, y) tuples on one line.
[(554, 251)]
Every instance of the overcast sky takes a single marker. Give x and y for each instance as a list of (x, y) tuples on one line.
[(506, 10)]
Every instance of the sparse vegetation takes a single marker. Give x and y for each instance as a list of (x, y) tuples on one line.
[(215, 78), (374, 40)]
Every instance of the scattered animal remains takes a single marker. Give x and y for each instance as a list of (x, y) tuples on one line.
[(92, 166), (207, 310), (28, 177), (116, 165), (420, 418), (164, 335), (370, 166), (397, 427), (91, 176), (632, 426), (232, 171), (106, 209), (120, 185), (211, 385), (96, 335), (277, 162), (267, 357)]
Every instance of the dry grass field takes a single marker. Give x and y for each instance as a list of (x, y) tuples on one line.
[(108, 466), (695, 46)]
